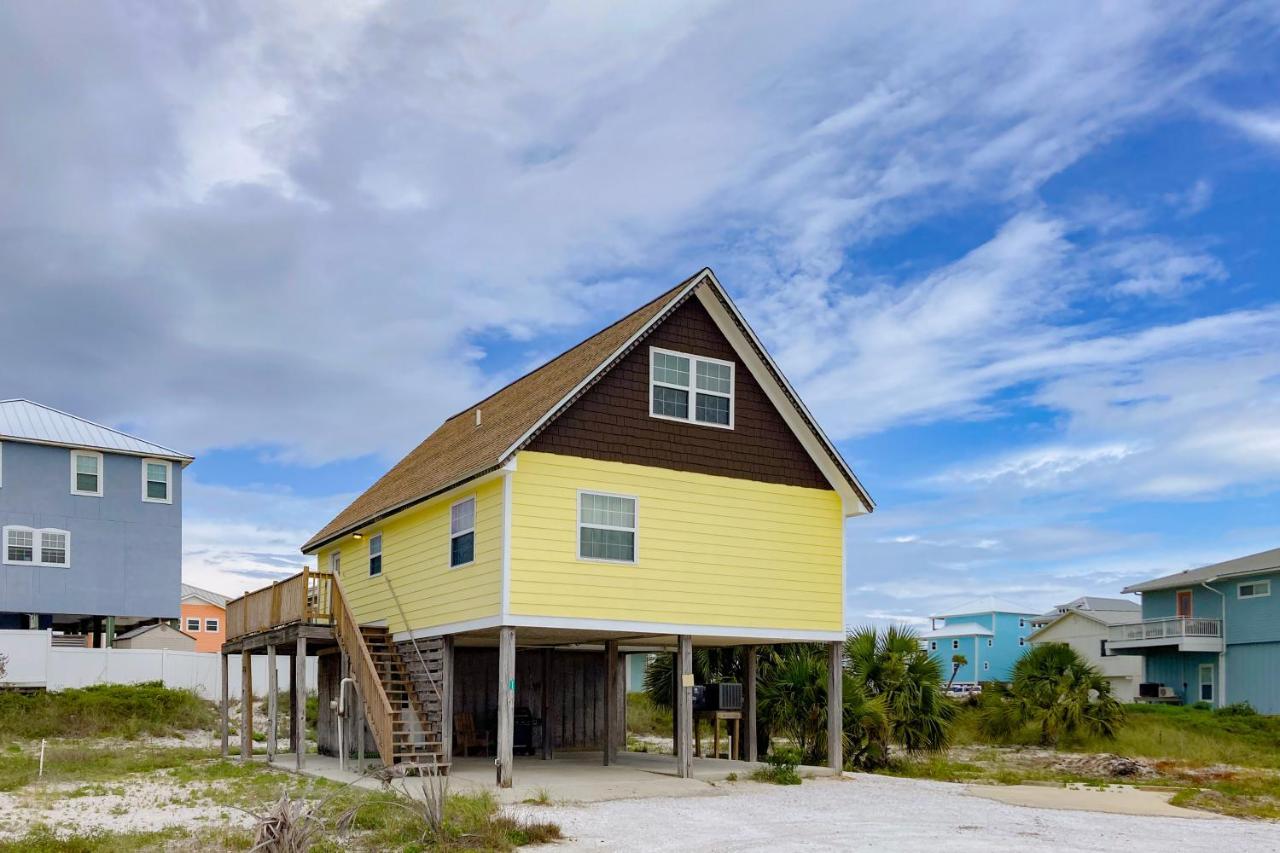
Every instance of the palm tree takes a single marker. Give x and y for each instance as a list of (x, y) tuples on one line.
[(892, 666), (1058, 691), (957, 661)]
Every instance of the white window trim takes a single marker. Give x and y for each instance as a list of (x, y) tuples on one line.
[(1255, 584), (168, 481), (37, 546), (186, 624), (692, 388), (955, 645), (215, 623), (1, 463), (1200, 683), (75, 454), (377, 534), (472, 530), (335, 561), (634, 531)]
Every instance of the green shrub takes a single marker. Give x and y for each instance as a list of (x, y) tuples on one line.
[(1239, 709), (104, 710), (781, 769)]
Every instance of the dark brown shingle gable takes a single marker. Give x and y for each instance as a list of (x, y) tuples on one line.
[(460, 450)]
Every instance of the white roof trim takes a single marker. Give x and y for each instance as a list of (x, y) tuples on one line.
[(29, 422)]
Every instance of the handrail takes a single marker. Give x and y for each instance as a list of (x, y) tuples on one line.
[(304, 597), (404, 618), (1167, 628), (378, 706)]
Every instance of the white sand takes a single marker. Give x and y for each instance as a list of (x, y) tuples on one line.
[(882, 813)]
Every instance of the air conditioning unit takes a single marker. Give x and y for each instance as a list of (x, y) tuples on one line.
[(1167, 692), (1149, 689), (717, 697)]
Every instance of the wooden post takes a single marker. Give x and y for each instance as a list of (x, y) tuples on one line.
[(293, 703), (506, 703), (548, 742), (360, 724), (246, 705), (684, 715), (446, 697), (300, 701), (750, 678), (835, 705), (620, 685), (345, 721), (272, 689), (111, 633), (610, 702), (226, 704)]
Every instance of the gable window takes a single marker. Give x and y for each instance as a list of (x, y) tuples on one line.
[(462, 532), (375, 555), (690, 388), (27, 546), (155, 480), (211, 625), (193, 626), (1254, 589), (606, 527), (86, 473)]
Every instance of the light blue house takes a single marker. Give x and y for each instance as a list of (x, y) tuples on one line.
[(1210, 634), (90, 524), (991, 634)]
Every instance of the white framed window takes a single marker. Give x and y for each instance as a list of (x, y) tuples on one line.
[(607, 527), (990, 643), (1206, 682), (1022, 623), (1254, 589), (1022, 641), (375, 555), (30, 546), (986, 666), (955, 645), (933, 645), (193, 625), (156, 477), (690, 388), (335, 562), (86, 473), (211, 625), (462, 532)]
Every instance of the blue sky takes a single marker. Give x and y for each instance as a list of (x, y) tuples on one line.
[(1020, 260)]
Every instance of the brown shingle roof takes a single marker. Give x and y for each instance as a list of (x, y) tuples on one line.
[(459, 450)]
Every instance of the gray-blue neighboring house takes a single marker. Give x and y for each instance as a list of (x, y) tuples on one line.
[(91, 524), (1211, 634)]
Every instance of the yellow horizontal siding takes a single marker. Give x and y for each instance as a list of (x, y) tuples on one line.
[(415, 565), (713, 551)]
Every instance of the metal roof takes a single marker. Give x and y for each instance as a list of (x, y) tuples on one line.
[(986, 604), (1264, 561), (189, 591), (962, 629), (24, 420)]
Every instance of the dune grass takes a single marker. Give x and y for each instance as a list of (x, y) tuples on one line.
[(105, 710), (646, 718)]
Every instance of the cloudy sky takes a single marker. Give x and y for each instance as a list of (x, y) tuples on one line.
[(1020, 259)]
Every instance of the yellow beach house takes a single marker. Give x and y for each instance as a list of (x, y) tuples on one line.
[(657, 487)]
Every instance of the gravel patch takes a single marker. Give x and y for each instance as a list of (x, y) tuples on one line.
[(881, 813)]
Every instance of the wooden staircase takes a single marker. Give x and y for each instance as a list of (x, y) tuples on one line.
[(405, 734)]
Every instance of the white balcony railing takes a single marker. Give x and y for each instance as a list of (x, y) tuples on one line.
[(1172, 628)]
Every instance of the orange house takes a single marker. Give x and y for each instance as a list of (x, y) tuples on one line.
[(204, 616)]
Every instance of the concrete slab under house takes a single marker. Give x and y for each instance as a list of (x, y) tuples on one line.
[(657, 488)]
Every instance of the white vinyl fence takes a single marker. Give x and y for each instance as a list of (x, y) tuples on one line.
[(35, 662)]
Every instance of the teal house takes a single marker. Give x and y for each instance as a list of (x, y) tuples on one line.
[(989, 633), (1210, 634)]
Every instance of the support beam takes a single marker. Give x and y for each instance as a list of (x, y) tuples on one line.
[(293, 703), (620, 718), (684, 707), (111, 633), (610, 702), (835, 705), (345, 721), (548, 721), (506, 703), (272, 712), (749, 701), (360, 724), (226, 705), (300, 701), (446, 696), (246, 706)]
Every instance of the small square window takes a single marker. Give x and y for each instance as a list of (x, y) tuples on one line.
[(986, 666), (990, 643), (211, 625), (955, 644), (670, 402), (193, 626), (20, 546), (1022, 641), (375, 555), (933, 645), (606, 527)]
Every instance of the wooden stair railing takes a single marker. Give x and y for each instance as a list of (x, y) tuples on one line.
[(378, 710)]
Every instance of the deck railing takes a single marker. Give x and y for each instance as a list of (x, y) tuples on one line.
[(1171, 628), (305, 597)]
